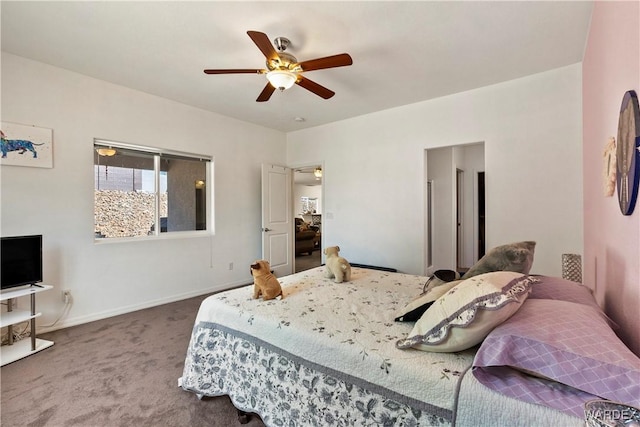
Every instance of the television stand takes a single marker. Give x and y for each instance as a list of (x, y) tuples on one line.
[(23, 348)]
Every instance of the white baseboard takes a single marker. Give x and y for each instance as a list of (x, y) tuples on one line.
[(74, 321)]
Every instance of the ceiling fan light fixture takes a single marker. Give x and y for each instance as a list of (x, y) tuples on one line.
[(318, 172), (106, 152), (281, 79)]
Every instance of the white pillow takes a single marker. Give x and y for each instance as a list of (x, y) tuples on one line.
[(466, 314)]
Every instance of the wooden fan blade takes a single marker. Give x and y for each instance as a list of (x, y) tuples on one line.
[(262, 41), (234, 71), (340, 60), (266, 93), (314, 87)]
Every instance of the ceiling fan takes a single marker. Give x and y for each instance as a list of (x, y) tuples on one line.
[(315, 170), (283, 69)]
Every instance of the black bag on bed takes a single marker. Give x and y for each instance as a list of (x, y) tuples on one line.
[(416, 307), (440, 276)]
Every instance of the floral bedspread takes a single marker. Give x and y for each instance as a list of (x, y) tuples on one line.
[(325, 354)]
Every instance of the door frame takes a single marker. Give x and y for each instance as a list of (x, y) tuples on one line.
[(460, 218)]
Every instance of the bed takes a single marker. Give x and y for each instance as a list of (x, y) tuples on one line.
[(327, 354)]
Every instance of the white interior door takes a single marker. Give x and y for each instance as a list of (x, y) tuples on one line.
[(277, 221)]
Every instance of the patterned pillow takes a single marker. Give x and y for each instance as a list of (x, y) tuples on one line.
[(512, 257), (568, 343), (465, 315)]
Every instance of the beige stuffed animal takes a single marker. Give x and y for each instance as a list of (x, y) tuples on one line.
[(336, 266), (264, 282)]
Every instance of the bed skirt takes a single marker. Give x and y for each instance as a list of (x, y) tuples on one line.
[(255, 375)]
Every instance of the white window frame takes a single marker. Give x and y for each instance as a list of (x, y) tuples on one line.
[(157, 153)]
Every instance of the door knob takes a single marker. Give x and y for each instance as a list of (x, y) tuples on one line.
[(266, 229)]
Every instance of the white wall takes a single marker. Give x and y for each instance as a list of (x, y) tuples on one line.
[(374, 164), (108, 279)]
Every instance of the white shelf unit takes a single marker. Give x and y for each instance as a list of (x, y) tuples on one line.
[(26, 347)]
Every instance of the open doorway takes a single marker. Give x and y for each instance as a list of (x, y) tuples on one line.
[(307, 209), (460, 209), (481, 239), (454, 214), (462, 200)]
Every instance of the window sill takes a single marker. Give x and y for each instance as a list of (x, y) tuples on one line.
[(163, 236)]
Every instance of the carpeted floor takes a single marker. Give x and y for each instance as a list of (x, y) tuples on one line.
[(121, 371)]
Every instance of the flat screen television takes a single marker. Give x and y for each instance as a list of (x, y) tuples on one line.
[(21, 261)]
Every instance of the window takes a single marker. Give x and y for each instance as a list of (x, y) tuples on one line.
[(141, 191), (308, 205)]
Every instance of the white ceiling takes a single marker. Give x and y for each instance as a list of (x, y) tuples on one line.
[(403, 52)]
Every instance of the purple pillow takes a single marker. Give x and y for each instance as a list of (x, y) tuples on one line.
[(557, 288), (549, 287), (549, 347)]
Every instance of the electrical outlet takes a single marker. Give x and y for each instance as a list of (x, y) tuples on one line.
[(231, 266), (66, 296)]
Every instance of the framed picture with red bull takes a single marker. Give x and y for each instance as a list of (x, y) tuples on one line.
[(24, 145)]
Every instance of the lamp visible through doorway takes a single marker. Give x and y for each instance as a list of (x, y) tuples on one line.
[(572, 267), (106, 151)]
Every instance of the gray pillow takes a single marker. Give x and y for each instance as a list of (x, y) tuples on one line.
[(517, 257)]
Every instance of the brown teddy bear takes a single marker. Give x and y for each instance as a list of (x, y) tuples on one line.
[(264, 282), (336, 266)]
